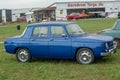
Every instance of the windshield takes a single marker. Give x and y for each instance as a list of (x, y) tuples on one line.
[(116, 25), (74, 30)]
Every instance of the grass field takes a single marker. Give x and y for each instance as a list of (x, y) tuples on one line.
[(52, 69)]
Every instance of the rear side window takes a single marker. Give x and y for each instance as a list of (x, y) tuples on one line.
[(40, 32)]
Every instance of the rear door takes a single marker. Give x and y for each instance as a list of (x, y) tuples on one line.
[(39, 42)]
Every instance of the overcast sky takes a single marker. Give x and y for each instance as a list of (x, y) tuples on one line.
[(13, 4)]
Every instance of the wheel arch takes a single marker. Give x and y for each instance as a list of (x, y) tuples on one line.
[(116, 38), (81, 48), (20, 48)]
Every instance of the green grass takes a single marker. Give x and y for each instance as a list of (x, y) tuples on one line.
[(93, 26), (52, 69), (10, 30)]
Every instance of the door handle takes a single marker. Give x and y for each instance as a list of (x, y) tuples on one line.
[(51, 39), (32, 39)]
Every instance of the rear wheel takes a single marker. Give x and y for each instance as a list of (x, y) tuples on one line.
[(23, 55), (117, 42), (84, 56)]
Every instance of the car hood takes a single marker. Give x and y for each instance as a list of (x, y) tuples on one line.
[(93, 38), (108, 31)]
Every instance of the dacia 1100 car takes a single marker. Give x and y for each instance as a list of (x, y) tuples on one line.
[(114, 32), (63, 40)]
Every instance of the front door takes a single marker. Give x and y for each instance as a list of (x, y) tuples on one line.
[(59, 44)]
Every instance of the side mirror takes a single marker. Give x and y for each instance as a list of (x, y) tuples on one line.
[(18, 27), (63, 35)]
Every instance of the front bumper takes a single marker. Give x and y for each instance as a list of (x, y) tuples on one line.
[(108, 52)]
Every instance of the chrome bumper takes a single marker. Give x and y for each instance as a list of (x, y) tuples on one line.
[(108, 52)]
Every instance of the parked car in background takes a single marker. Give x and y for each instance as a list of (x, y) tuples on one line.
[(76, 15), (22, 19), (114, 32), (63, 40)]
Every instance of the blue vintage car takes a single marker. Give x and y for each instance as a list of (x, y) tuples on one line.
[(64, 40)]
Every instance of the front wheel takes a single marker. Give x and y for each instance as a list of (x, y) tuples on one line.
[(84, 56), (23, 55)]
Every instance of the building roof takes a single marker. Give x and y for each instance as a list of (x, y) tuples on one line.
[(45, 9), (86, 1), (53, 6)]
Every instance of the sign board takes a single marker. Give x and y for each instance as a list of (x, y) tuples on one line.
[(75, 5)]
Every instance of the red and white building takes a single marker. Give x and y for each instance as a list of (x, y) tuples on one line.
[(97, 7)]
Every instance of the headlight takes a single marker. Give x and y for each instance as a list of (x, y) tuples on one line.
[(106, 45), (115, 44)]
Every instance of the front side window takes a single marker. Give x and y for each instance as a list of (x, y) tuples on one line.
[(57, 31), (74, 30), (40, 32)]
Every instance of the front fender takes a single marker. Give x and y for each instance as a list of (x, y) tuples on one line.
[(95, 47)]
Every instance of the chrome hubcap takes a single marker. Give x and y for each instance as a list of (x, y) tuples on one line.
[(85, 56), (23, 55)]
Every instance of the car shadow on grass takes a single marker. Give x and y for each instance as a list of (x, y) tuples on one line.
[(52, 60), (104, 60)]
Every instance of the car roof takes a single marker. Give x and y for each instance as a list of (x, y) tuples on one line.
[(51, 23)]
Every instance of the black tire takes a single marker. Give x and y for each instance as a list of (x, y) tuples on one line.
[(23, 55), (84, 56), (117, 42)]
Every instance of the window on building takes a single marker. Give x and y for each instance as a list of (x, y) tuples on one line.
[(8, 15), (22, 15)]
